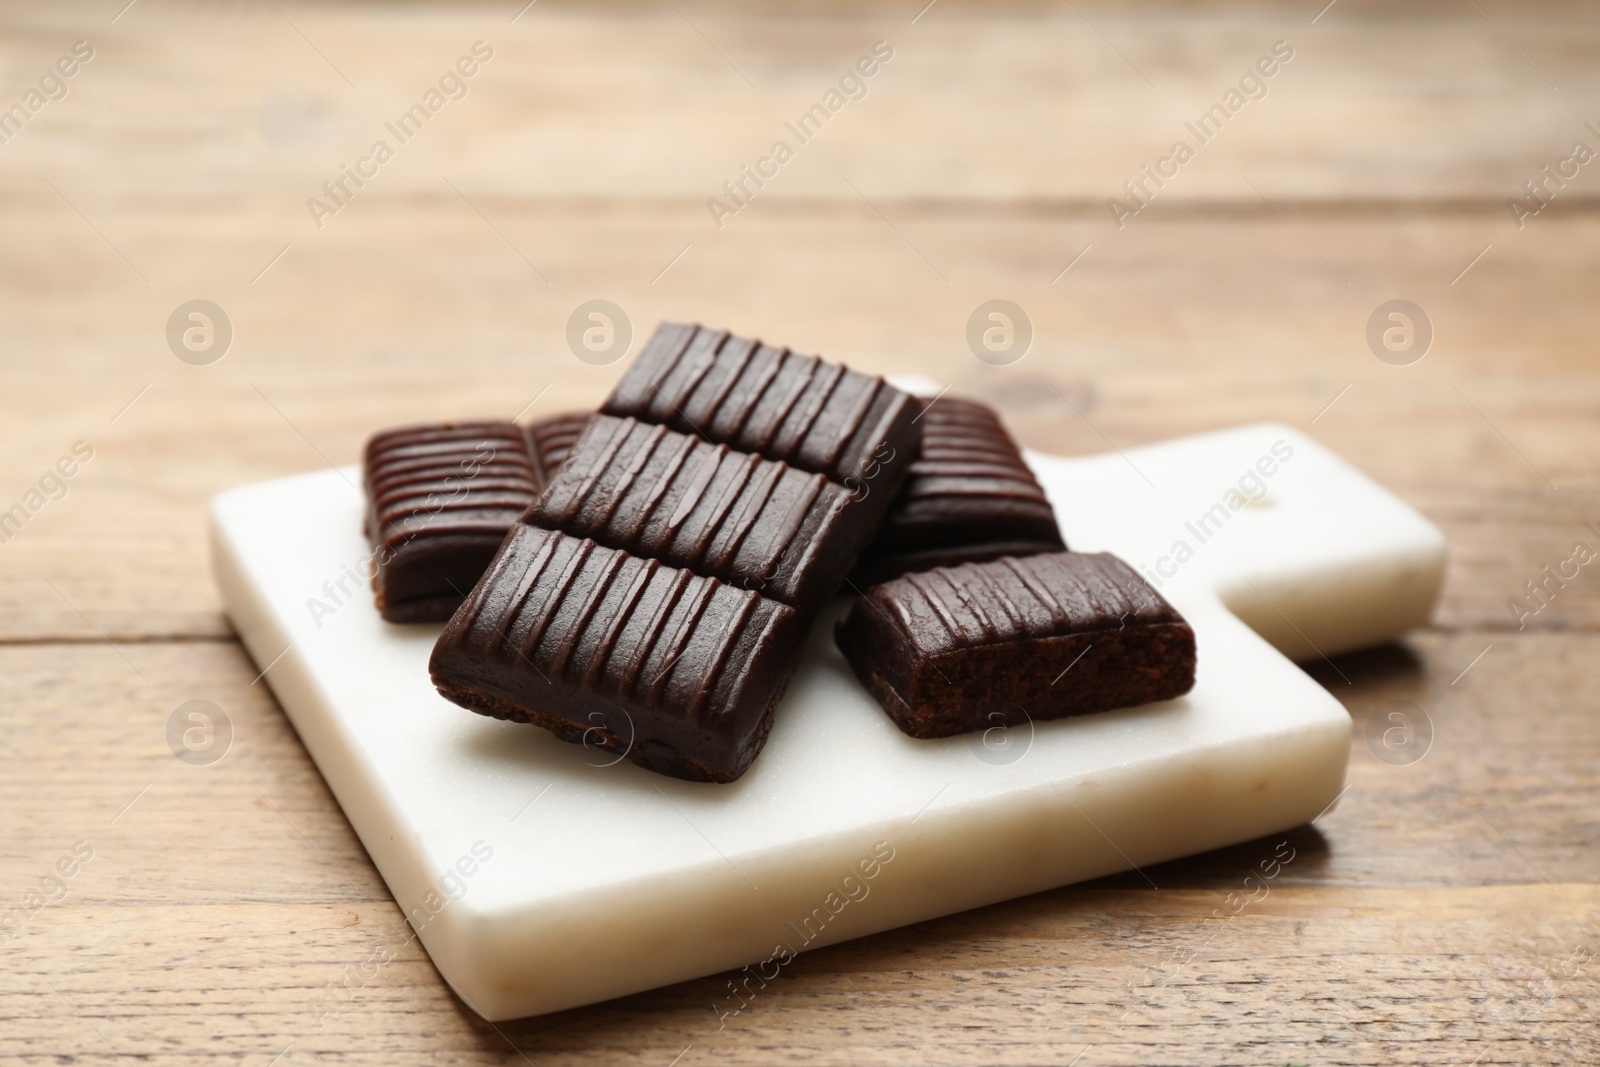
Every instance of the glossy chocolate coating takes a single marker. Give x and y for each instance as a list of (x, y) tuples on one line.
[(966, 648), (970, 497), (678, 672), (550, 440), (752, 522), (818, 417), (666, 579), (440, 499)]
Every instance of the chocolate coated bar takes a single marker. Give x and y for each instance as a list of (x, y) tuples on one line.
[(551, 438), (752, 522), (970, 497), (965, 648), (818, 417), (678, 672), (440, 499), (656, 598)]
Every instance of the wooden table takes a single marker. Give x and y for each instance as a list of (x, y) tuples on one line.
[(1445, 912)]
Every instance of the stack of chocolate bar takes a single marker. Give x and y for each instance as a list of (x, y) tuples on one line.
[(643, 579)]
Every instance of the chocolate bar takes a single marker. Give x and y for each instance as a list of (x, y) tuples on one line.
[(970, 497), (959, 649), (751, 522), (678, 672), (440, 500), (656, 598), (550, 440), (819, 417)]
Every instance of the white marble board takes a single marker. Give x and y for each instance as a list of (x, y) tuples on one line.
[(542, 878)]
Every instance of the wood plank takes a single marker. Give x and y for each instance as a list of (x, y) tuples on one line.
[(412, 305), (1502, 541), (1412, 922), (415, 311), (213, 102), (1303, 976), (1535, 775)]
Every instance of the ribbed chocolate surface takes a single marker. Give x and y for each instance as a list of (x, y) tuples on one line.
[(969, 497), (468, 477), (718, 468), (1008, 641), (678, 670), (951, 608), (969, 473), (750, 521), (819, 417), (440, 499), (551, 438)]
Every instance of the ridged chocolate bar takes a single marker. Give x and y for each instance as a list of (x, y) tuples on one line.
[(440, 499), (678, 672), (652, 559), (969, 498), (751, 522), (965, 648), (550, 441), (728, 484), (819, 417)]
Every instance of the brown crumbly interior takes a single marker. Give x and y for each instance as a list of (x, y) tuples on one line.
[(1011, 683)]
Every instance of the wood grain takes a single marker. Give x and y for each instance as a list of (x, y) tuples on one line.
[(1046, 102), (1165, 335), (1441, 906), (1445, 911)]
